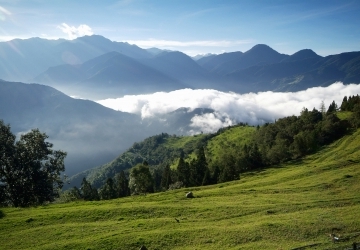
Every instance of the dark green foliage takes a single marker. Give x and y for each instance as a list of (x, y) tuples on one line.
[(141, 180), (29, 168), (166, 179), (198, 168), (355, 117), (75, 192), (155, 150), (216, 174), (230, 166), (332, 108), (157, 173), (89, 193), (183, 172), (349, 104), (122, 184), (207, 178), (108, 191)]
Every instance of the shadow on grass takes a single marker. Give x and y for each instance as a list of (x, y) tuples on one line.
[(2, 215)]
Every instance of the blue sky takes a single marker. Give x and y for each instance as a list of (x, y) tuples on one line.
[(192, 26)]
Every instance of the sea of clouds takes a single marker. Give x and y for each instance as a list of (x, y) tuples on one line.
[(231, 108)]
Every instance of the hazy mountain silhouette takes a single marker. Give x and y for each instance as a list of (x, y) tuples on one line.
[(302, 54), (260, 54), (95, 67), (295, 75), (110, 75), (180, 66), (22, 60), (213, 62)]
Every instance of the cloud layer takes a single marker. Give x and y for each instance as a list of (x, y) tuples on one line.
[(73, 32), (231, 108)]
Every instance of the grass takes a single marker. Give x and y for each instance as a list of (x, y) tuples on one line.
[(235, 137), (286, 207)]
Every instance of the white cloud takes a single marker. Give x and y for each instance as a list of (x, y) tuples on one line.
[(174, 44), (73, 32), (5, 11), (231, 108)]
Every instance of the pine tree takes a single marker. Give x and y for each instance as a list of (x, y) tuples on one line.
[(183, 172), (122, 184), (108, 191), (332, 108), (207, 178), (199, 167), (215, 175), (166, 177), (86, 190)]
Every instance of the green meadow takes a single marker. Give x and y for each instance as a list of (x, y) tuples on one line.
[(291, 206)]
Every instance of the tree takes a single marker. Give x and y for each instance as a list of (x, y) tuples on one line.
[(183, 172), (108, 192), (355, 117), (207, 178), (141, 181), (166, 177), (322, 108), (332, 108), (122, 184), (29, 168), (89, 193), (198, 168)]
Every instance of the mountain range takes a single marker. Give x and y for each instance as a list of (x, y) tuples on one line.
[(94, 67)]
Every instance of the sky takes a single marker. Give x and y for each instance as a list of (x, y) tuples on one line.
[(192, 26), (232, 108)]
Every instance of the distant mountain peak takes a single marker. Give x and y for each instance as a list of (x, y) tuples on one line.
[(261, 48), (301, 55), (306, 52)]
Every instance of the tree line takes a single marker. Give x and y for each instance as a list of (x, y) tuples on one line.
[(286, 139), (30, 170)]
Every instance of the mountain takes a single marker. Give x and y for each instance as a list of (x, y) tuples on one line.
[(109, 75), (180, 66), (213, 62), (94, 67), (260, 54), (114, 74), (296, 75), (23, 60), (301, 54)]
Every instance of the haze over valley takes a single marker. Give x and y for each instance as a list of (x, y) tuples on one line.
[(152, 91)]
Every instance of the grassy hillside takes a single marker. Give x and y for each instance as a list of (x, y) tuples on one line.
[(156, 150), (165, 149), (292, 206)]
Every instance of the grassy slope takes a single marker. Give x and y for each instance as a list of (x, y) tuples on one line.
[(235, 137), (294, 205)]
